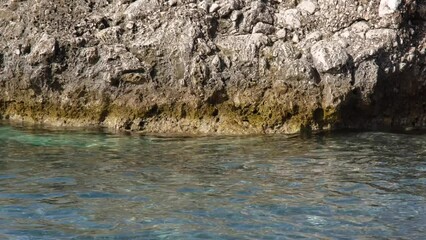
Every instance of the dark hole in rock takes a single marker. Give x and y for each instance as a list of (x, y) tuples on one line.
[(215, 112), (1, 60), (153, 73), (318, 115), (127, 125)]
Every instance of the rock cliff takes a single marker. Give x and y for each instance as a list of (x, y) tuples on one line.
[(224, 66)]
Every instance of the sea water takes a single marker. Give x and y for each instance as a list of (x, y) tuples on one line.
[(86, 184)]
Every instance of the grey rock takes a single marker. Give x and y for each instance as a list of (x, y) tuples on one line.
[(236, 15), (172, 3), (140, 8), (214, 7), (110, 35), (335, 88), (90, 55), (282, 33), (309, 6), (366, 76), (310, 40), (213, 66), (421, 10), (388, 7), (242, 47), (259, 12), (264, 28), (328, 56), (289, 18), (285, 51), (43, 50), (295, 38)]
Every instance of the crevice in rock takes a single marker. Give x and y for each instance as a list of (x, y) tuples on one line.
[(350, 24)]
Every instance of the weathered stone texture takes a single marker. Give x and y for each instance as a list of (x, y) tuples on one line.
[(214, 66)]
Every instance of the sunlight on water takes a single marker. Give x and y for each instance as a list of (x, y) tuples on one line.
[(57, 184)]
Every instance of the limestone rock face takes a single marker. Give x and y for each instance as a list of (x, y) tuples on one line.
[(214, 66)]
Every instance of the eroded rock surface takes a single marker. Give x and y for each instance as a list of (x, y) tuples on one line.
[(214, 66)]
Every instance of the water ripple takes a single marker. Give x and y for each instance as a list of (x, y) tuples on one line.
[(57, 184)]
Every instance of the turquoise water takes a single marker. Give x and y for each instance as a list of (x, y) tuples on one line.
[(96, 185)]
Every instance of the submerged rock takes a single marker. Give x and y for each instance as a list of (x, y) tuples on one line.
[(214, 66)]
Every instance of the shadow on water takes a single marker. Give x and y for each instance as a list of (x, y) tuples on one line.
[(90, 185)]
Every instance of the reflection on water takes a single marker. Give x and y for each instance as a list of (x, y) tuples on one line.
[(95, 185)]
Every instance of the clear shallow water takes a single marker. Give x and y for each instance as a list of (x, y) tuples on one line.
[(93, 185)]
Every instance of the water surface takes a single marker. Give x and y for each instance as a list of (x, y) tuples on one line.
[(57, 184)]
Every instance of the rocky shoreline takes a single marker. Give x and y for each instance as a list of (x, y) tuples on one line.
[(214, 67)]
